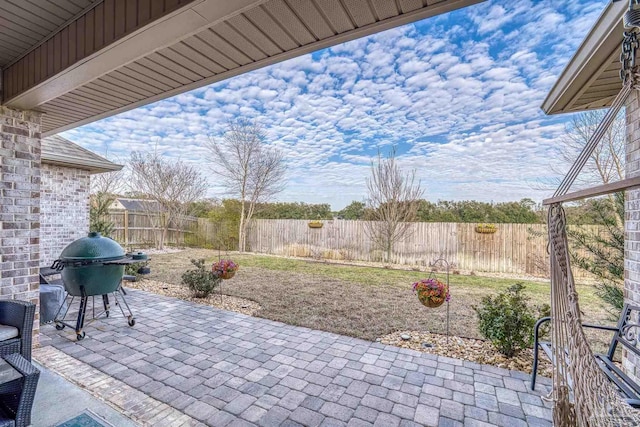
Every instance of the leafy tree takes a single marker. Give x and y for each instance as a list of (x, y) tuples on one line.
[(201, 208), (516, 212), (226, 216), (355, 210), (297, 210), (99, 214), (521, 212)]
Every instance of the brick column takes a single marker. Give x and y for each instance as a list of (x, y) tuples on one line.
[(20, 206), (631, 363)]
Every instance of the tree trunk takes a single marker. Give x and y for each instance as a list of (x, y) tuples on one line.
[(165, 229), (162, 230), (389, 248), (241, 231)]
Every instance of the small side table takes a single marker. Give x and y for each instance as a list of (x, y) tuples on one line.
[(18, 382)]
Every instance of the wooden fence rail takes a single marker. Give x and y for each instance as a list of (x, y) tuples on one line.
[(513, 248), (141, 229)]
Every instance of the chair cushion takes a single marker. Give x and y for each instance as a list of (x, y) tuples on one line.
[(8, 332)]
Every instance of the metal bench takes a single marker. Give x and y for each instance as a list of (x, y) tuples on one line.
[(624, 334)]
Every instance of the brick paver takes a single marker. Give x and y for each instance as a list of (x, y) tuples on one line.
[(222, 368)]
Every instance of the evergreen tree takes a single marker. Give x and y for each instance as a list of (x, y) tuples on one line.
[(604, 252)]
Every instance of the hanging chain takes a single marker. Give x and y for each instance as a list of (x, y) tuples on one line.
[(630, 44)]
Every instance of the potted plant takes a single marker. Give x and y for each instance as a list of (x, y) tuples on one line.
[(431, 292), (486, 228), (315, 224), (224, 269)]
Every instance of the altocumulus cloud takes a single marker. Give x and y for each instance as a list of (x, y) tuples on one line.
[(459, 96)]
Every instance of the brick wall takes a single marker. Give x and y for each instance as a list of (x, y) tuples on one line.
[(631, 363), (64, 209), (19, 205)]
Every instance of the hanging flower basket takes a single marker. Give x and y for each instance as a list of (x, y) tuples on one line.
[(431, 292), (315, 224), (486, 228), (224, 269), (227, 275)]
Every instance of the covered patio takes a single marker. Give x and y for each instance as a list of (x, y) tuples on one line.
[(190, 364), (65, 64)]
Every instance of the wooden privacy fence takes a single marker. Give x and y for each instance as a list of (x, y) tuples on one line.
[(141, 229), (513, 248)]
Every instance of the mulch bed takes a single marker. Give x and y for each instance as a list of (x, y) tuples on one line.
[(217, 300), (473, 350)]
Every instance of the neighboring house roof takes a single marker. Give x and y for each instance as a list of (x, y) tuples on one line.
[(59, 151), (139, 205), (591, 78)]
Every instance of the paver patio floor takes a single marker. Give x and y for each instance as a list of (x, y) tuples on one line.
[(223, 368)]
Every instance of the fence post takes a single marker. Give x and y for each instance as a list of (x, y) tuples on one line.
[(126, 227)]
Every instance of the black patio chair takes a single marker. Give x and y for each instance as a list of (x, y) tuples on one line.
[(16, 327), (16, 397)]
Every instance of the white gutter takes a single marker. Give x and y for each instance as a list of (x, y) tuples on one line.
[(591, 58), (93, 166)]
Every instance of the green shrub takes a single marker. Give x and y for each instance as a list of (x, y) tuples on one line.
[(132, 270), (507, 320), (201, 281)]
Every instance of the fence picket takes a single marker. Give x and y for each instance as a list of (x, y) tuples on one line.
[(513, 248)]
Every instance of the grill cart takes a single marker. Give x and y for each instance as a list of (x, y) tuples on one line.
[(93, 266)]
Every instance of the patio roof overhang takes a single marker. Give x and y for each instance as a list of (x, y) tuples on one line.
[(591, 78), (100, 58)]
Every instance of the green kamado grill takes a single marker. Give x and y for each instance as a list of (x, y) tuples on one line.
[(93, 266)]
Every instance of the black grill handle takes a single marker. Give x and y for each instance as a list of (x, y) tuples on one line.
[(57, 265)]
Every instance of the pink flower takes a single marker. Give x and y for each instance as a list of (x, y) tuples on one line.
[(434, 287), (224, 266)]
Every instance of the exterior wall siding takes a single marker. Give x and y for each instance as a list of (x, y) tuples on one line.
[(630, 362), (20, 206), (107, 22), (64, 209)]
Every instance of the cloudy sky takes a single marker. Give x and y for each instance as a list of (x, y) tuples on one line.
[(459, 95)]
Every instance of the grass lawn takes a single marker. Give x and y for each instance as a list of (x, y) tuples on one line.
[(364, 302)]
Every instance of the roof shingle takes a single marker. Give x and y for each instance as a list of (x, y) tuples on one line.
[(57, 150)]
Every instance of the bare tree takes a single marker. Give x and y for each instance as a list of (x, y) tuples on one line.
[(250, 169), (108, 182), (170, 186), (606, 164), (393, 199), (104, 187)]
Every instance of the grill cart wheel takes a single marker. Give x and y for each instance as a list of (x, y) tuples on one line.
[(59, 326), (131, 321), (80, 337)]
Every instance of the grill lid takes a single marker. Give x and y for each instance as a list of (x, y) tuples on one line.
[(94, 247)]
